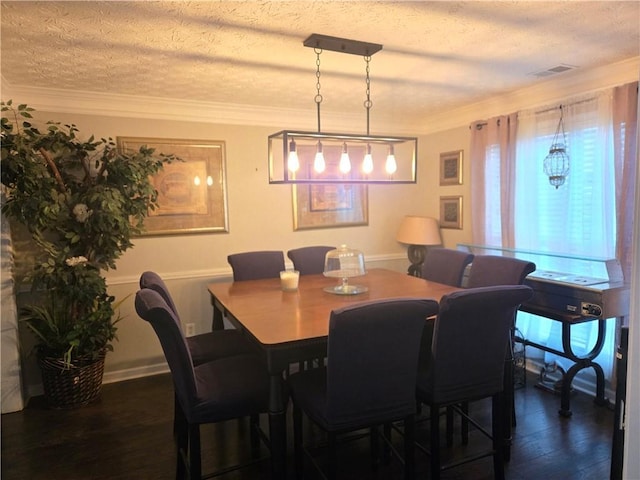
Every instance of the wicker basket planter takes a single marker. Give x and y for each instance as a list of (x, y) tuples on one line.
[(71, 386)]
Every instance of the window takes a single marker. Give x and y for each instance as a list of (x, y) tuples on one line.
[(578, 218)]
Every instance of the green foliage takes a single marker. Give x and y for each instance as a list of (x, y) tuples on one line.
[(81, 201)]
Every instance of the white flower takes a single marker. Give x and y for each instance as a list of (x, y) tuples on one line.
[(73, 261), (82, 212)]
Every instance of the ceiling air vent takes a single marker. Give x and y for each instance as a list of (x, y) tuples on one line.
[(553, 70)]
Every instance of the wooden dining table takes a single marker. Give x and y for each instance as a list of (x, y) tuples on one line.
[(292, 327)]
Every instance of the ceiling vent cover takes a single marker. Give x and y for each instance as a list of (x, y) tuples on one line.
[(553, 70)]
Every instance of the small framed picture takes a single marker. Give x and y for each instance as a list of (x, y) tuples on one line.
[(451, 168), (451, 212)]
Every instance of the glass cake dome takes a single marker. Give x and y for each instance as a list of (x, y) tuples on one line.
[(344, 263)]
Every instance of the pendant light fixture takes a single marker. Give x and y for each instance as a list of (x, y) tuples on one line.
[(299, 157), (556, 164)]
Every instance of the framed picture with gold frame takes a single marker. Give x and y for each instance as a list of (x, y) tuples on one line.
[(192, 193), (328, 205), (451, 168), (451, 212)]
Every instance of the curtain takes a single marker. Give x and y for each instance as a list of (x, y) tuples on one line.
[(493, 145), (625, 124)]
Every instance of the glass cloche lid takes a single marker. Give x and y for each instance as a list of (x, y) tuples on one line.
[(343, 263)]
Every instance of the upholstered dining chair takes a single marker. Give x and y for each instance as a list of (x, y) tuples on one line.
[(215, 391), (309, 260), (442, 265), (207, 346), (491, 270), (370, 377), (445, 265), (471, 338), (256, 265)]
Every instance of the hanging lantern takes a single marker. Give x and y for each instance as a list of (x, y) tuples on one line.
[(556, 164)]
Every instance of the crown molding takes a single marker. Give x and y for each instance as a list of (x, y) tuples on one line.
[(131, 106), (550, 91)]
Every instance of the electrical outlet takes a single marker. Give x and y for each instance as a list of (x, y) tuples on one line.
[(191, 329)]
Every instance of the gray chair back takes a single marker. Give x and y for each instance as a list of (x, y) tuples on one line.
[(445, 265), (490, 270), (151, 307), (470, 340), (309, 260), (256, 265), (153, 281), (372, 360)]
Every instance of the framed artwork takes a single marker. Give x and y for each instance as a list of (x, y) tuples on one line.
[(328, 205), (451, 212), (192, 193), (451, 168)]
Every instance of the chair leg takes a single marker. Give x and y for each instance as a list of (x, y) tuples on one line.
[(464, 423), (254, 436), (409, 447), (435, 442), (374, 446), (332, 463), (386, 451), (498, 420), (508, 410), (195, 465), (449, 432), (298, 452), (181, 436)]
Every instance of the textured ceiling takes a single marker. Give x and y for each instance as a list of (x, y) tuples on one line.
[(436, 55)]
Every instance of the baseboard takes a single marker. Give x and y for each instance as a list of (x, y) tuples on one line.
[(36, 390), (132, 373)]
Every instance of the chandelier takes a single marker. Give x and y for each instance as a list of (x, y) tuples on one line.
[(320, 157), (556, 164)]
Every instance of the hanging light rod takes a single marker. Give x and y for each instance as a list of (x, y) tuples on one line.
[(342, 45), (322, 158)]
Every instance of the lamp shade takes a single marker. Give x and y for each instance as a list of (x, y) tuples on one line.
[(415, 230)]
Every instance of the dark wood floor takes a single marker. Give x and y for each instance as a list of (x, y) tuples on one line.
[(127, 434)]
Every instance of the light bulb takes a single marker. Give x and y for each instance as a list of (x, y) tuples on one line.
[(293, 163), (367, 163), (345, 163), (196, 181), (318, 162), (209, 180), (391, 166)]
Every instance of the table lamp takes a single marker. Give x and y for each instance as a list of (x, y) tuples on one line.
[(343, 263), (418, 232)]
